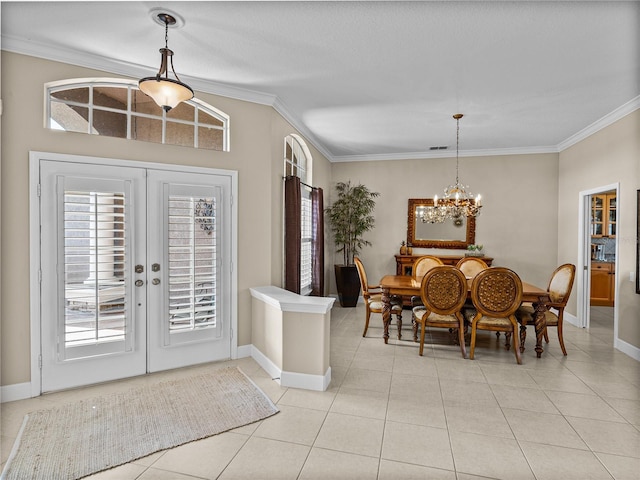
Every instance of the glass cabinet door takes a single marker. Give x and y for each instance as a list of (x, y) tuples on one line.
[(597, 215)]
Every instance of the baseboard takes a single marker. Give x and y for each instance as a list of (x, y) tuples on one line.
[(267, 365), (244, 351), (624, 347), (306, 381), (291, 379), (572, 319), (11, 393), (627, 348)]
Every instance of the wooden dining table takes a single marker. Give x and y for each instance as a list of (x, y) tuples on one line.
[(406, 285)]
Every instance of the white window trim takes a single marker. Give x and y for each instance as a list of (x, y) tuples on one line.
[(198, 104)]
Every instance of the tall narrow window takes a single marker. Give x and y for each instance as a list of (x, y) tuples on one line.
[(115, 107), (302, 260)]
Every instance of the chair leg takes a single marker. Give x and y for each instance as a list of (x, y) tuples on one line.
[(399, 316), (366, 322), (516, 348), (523, 337), (463, 349), (546, 335), (564, 350), (473, 342), (414, 325), (507, 340), (424, 328)]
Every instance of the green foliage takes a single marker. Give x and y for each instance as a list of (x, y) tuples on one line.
[(350, 217)]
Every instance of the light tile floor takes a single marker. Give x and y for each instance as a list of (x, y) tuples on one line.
[(390, 414)]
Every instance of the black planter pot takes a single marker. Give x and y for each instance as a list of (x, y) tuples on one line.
[(348, 285)]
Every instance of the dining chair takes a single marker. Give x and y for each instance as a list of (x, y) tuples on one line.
[(559, 290), (471, 266), (420, 267), (372, 295), (496, 293), (443, 292)]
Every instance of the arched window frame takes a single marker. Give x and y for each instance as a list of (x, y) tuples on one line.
[(300, 161), (130, 85)]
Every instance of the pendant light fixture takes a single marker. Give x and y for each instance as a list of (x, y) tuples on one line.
[(166, 92), (458, 202)]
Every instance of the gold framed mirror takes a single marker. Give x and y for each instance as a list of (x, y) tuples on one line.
[(454, 234)]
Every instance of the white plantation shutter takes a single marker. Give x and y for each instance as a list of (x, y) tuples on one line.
[(192, 262), (94, 281)]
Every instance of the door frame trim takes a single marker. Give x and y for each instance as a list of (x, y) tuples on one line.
[(584, 259), (35, 319)]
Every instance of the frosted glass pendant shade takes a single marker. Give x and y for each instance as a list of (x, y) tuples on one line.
[(167, 93)]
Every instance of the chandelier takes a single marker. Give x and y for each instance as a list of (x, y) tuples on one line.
[(457, 202), (166, 92)]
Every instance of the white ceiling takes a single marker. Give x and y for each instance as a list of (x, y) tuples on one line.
[(373, 80)]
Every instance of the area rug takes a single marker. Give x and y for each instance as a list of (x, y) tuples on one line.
[(88, 436)]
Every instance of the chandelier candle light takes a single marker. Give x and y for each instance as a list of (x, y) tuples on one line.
[(166, 92), (457, 201)]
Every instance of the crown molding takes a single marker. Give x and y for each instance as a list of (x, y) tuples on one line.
[(131, 70), (629, 107), (282, 109), (462, 153), (126, 69)]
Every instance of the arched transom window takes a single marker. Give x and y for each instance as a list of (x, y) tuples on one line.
[(115, 107)]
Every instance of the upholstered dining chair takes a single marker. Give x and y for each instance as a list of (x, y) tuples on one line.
[(559, 290), (423, 264), (496, 293), (443, 292), (471, 266), (420, 267), (372, 295)]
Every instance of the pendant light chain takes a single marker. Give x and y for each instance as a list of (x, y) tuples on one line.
[(166, 33), (457, 148)]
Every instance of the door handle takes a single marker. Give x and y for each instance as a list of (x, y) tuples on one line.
[(139, 283), (156, 281)]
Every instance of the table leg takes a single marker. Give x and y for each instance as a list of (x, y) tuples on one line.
[(386, 313), (540, 321)]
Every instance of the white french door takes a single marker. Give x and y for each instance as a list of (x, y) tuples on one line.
[(135, 271), (188, 303)]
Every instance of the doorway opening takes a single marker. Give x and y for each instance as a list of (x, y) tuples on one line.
[(599, 252)]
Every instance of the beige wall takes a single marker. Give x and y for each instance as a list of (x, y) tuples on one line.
[(518, 223), (610, 156), (256, 153), (526, 223)]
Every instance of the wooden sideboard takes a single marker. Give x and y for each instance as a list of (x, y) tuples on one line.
[(404, 263)]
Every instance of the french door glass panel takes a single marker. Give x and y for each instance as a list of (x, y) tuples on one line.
[(92, 230)]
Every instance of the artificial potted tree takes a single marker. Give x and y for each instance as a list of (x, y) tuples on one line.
[(350, 217)]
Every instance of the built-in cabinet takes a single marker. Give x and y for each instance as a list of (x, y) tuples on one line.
[(603, 215), (602, 283)]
